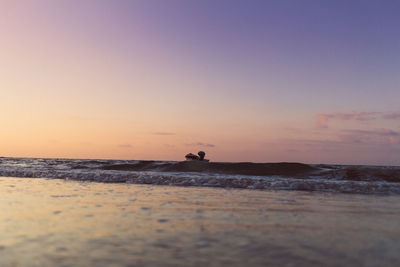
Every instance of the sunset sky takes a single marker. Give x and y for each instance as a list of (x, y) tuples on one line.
[(253, 80)]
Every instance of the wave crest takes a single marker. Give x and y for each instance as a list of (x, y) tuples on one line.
[(246, 175)]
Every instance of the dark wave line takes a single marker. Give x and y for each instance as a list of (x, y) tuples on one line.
[(243, 168), (176, 179)]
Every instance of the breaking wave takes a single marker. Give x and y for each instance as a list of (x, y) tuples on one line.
[(269, 176)]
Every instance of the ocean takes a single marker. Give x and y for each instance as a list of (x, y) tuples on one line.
[(360, 179), (72, 212)]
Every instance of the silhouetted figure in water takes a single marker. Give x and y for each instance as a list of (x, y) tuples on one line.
[(200, 156)]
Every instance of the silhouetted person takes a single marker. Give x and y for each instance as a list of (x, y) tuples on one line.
[(191, 156), (201, 154)]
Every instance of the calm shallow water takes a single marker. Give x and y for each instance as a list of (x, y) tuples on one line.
[(55, 222)]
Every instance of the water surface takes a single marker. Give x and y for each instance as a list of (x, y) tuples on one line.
[(47, 222)]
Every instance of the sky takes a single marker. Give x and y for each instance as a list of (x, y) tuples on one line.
[(263, 81)]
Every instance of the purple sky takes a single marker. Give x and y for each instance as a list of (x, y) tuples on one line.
[(310, 81)]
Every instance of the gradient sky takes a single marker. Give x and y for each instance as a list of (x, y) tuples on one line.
[(303, 80)]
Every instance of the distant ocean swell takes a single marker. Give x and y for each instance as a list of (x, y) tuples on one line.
[(268, 176)]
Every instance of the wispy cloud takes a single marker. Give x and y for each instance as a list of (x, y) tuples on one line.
[(348, 138), (392, 116), (164, 133), (323, 119), (201, 144), (394, 141), (369, 136), (125, 146), (377, 132)]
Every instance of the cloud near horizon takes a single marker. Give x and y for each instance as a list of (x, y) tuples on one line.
[(392, 116), (364, 136), (352, 133), (125, 146), (323, 119), (164, 133), (382, 138), (201, 144)]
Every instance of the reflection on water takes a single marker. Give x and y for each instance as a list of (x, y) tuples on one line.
[(55, 222)]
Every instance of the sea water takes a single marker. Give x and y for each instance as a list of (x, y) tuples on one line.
[(50, 222), (246, 175)]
